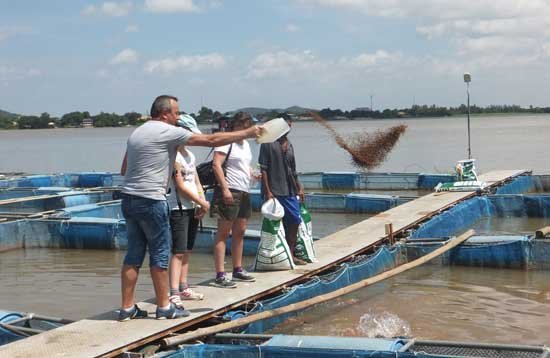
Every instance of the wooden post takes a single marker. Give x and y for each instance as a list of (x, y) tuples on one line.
[(389, 232)]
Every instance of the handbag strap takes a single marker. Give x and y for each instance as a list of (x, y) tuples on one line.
[(210, 152), (224, 164), (227, 157), (178, 199)]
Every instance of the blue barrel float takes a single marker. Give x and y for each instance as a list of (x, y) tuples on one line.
[(95, 179), (35, 181), (339, 180)]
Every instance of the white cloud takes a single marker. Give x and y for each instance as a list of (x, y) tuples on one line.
[(186, 64), (89, 10), (292, 28), (439, 9), (109, 8), (132, 28), (170, 6), (14, 73), (502, 33), (12, 31), (283, 64), (103, 73), (371, 59), (125, 56)]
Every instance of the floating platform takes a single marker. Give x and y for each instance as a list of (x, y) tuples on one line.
[(96, 336)]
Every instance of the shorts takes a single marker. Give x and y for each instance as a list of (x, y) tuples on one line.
[(184, 230), (292, 209), (148, 228), (239, 209)]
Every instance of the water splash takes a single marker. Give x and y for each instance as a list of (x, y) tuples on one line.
[(382, 325)]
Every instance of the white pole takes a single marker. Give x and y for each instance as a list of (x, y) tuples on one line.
[(469, 144)]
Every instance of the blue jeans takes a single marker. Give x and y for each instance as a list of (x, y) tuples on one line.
[(148, 227)]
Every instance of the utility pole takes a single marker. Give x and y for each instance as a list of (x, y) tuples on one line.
[(468, 79), (371, 102)]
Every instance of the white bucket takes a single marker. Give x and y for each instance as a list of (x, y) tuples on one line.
[(273, 210), (273, 130)]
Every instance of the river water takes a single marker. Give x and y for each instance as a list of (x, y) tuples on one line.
[(428, 145), (470, 303)]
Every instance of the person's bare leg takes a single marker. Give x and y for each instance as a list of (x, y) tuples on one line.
[(237, 241), (224, 227), (160, 283), (291, 235), (128, 278), (184, 267), (176, 267)]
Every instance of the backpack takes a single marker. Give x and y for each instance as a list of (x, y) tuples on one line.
[(206, 172)]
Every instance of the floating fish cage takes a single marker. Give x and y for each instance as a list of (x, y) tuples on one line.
[(251, 346), (372, 181), (75, 180), (513, 250)]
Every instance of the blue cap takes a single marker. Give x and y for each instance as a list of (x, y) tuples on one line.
[(188, 122)]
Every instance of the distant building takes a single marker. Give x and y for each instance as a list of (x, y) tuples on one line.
[(303, 117), (87, 123)]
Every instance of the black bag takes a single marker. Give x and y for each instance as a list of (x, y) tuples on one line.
[(206, 172)]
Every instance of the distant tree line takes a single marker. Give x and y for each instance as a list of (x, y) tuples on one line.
[(68, 120), (208, 115), (428, 111)]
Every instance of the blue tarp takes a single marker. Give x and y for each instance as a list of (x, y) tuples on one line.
[(340, 180), (512, 251), (429, 181), (89, 233), (454, 220), (521, 184), (463, 216)]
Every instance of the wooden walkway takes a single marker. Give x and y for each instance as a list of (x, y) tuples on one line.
[(104, 336)]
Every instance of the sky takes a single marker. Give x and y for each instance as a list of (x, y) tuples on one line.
[(59, 56)]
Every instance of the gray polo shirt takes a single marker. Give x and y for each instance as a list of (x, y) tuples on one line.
[(280, 168), (151, 152)]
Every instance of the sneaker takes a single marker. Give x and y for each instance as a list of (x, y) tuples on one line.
[(172, 312), (135, 313), (224, 282), (176, 300), (189, 294), (298, 261), (243, 276)]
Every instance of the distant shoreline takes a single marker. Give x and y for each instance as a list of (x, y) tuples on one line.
[(404, 118)]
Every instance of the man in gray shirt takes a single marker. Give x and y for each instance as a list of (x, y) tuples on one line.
[(149, 160)]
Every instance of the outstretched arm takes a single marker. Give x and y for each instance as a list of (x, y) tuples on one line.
[(222, 138)]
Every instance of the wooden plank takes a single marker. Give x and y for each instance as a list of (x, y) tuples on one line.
[(104, 336), (27, 198), (46, 196)]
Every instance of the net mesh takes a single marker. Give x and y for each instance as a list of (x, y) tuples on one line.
[(478, 352)]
